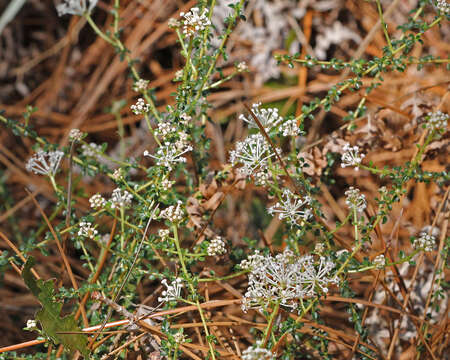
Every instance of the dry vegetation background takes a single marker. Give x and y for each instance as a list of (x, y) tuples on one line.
[(72, 78)]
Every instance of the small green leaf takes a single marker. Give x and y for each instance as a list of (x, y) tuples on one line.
[(49, 316)]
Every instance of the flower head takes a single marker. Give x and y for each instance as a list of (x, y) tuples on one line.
[(436, 121), (252, 153), (351, 156), (97, 201), (424, 242), (75, 7), (120, 198), (193, 21), (140, 85), (379, 261), (31, 324), (168, 155), (173, 213), (140, 107), (257, 352), (45, 163), (443, 6), (91, 150), (285, 278), (355, 200), (268, 118), (242, 67), (216, 247), (87, 230), (172, 292), (75, 135), (292, 207)]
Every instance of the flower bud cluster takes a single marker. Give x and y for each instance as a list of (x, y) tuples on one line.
[(379, 261), (424, 242), (140, 85), (75, 7), (75, 135), (437, 121), (120, 198), (140, 107), (257, 352), (216, 247), (97, 201), (355, 200)]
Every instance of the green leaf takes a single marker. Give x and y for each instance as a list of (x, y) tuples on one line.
[(49, 316)]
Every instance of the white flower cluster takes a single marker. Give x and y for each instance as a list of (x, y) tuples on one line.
[(169, 155), (437, 120), (193, 21), (216, 247), (140, 107), (75, 7), (242, 67), (351, 156), (285, 278), (173, 213), (45, 163), (167, 184), (179, 337), (75, 135), (253, 154), (173, 23), (443, 6), (355, 200), (292, 207), (270, 119), (379, 261), (120, 198), (91, 150), (163, 233), (97, 201), (257, 352), (185, 119), (31, 324), (166, 128), (172, 292), (424, 242), (87, 230), (140, 85)]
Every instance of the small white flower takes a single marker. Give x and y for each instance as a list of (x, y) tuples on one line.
[(173, 23), (166, 128), (179, 337), (424, 242), (194, 22), (45, 163), (169, 155), (241, 67), (87, 230), (252, 153), (164, 234), (172, 292), (91, 150), (443, 6), (216, 247), (166, 184), (140, 85), (120, 198), (290, 128), (140, 107), (173, 213), (355, 200), (317, 276), (292, 208), (178, 75), (257, 352), (436, 121), (379, 261), (351, 156), (319, 248), (75, 135), (31, 324), (185, 119), (97, 201), (75, 7)]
